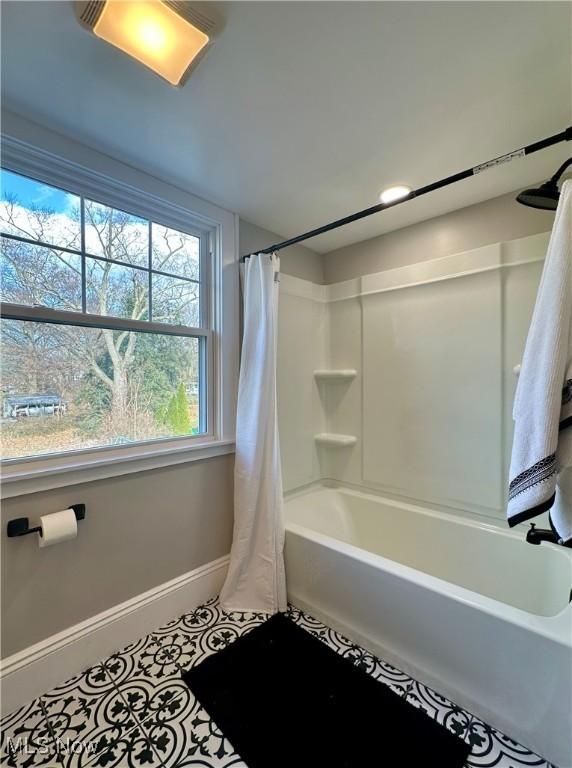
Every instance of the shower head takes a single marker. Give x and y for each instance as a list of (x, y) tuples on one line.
[(546, 196)]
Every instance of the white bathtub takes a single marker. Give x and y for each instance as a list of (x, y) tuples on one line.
[(468, 608)]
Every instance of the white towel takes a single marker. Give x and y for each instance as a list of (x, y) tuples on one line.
[(542, 445)]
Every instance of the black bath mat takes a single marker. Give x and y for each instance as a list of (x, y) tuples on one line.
[(284, 699)]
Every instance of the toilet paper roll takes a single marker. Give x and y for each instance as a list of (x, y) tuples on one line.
[(57, 527)]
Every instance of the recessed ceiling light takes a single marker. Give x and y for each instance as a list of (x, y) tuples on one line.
[(391, 194), (168, 37)]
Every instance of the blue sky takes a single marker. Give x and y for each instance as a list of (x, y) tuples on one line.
[(29, 192)]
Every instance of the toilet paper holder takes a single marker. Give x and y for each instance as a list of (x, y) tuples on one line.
[(20, 526)]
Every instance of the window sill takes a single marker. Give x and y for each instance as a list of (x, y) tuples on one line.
[(43, 474)]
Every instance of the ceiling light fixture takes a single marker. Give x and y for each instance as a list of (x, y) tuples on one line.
[(168, 37), (391, 194)]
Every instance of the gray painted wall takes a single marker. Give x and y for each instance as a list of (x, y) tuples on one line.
[(493, 221), (297, 261), (140, 530)]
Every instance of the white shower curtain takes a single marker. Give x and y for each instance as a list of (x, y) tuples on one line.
[(256, 579)]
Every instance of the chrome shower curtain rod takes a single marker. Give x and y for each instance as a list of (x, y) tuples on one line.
[(565, 135)]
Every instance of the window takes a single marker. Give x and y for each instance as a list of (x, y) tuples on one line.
[(105, 331)]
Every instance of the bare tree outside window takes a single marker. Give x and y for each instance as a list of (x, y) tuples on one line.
[(65, 386)]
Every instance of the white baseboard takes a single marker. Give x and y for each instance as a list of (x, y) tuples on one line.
[(37, 669)]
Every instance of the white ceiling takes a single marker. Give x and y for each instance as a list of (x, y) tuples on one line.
[(303, 111)]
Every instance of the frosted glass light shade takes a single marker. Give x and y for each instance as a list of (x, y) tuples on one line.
[(168, 37)]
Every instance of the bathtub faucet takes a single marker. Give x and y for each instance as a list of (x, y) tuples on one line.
[(536, 535)]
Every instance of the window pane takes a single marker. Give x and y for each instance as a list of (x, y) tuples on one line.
[(116, 235), (175, 301), (175, 252), (37, 211), (67, 387), (117, 291), (32, 274)]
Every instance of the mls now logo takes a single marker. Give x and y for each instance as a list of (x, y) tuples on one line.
[(21, 746), (45, 746)]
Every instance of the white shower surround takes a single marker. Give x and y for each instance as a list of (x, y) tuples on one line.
[(467, 608), (413, 558), (434, 345)]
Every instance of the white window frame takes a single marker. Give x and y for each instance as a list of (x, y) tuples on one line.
[(178, 210)]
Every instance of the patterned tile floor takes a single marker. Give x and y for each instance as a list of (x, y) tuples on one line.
[(134, 711)]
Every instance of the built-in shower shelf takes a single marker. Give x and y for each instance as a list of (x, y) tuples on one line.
[(337, 441), (335, 375)]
